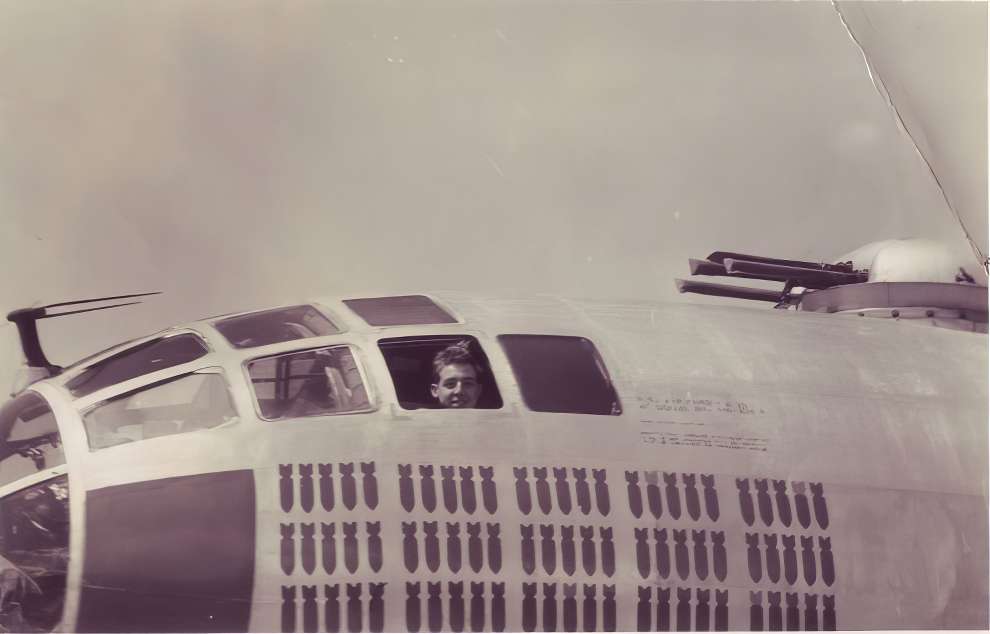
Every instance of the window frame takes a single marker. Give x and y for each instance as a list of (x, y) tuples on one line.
[(356, 354), (39, 475)]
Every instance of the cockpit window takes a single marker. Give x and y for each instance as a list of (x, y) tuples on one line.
[(400, 310), (174, 406), (29, 439), (410, 361), (317, 382), (142, 359), (275, 326), (560, 374)]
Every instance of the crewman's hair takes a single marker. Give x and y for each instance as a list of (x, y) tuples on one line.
[(457, 353)]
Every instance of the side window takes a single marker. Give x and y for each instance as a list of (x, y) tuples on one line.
[(560, 374), (175, 406), (30, 440), (410, 361), (145, 358), (317, 382)]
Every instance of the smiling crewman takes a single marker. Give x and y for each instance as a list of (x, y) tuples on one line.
[(455, 377)]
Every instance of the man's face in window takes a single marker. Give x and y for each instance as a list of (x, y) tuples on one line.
[(457, 386)]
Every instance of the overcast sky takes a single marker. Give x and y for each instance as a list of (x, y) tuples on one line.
[(238, 154)]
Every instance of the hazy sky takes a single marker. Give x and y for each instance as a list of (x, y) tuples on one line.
[(237, 154)]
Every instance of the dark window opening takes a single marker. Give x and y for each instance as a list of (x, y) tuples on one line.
[(145, 358), (34, 556), (560, 374), (401, 310), (275, 326), (29, 439), (410, 362)]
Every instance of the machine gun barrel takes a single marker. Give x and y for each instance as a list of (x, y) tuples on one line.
[(728, 290), (800, 276)]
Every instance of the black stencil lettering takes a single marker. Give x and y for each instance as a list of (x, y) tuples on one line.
[(601, 491), (326, 486), (498, 607), (308, 547), (285, 488), (753, 556), (563, 490), (745, 501), (488, 497), (783, 502), (681, 553), (644, 609), (773, 558), (468, 499), (288, 608), (570, 607), (663, 609), (711, 496), (413, 616), (718, 554), (529, 607), (828, 613), (801, 504), (523, 497), (350, 547), (818, 501), (542, 489), (494, 548), (454, 547), (456, 591), (331, 609), (810, 612), (608, 551), (721, 610), (642, 551), (568, 550), (590, 608), (702, 612), (792, 617), (528, 548), (406, 496), (476, 555), (634, 494), (808, 559), (663, 552), (328, 547), (653, 493), (449, 488), (700, 554), (548, 549), (374, 545), (672, 494), (608, 608), (756, 611), (763, 501), (427, 488), (549, 607), (288, 548), (790, 559), (828, 564), (410, 546), (691, 500), (376, 607), (588, 549), (432, 546), (348, 485), (776, 614), (582, 490), (354, 619), (477, 607), (306, 487), (684, 610), (369, 485), (434, 607)]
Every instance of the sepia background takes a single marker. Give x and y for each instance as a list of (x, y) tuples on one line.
[(238, 154)]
